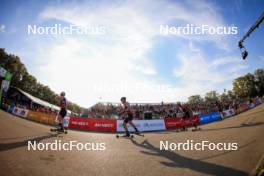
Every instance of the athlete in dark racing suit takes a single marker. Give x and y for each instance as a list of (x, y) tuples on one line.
[(128, 116), (63, 110)]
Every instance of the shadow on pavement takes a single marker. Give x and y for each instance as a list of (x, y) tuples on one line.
[(15, 138), (179, 161), (12, 145), (226, 152)]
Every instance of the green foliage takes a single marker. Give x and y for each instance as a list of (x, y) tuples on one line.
[(230, 95), (195, 99), (211, 96), (259, 80), (28, 83), (248, 85)]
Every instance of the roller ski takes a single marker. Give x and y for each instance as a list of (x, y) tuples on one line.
[(59, 130), (125, 136), (196, 129)]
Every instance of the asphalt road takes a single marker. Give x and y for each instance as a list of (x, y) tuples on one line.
[(138, 156)]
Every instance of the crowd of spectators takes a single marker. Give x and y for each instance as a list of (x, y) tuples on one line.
[(36, 108), (157, 110), (162, 110)]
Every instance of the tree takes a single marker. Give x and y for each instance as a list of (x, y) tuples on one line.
[(211, 96), (230, 95), (259, 80), (28, 83), (13, 65), (194, 99), (245, 86)]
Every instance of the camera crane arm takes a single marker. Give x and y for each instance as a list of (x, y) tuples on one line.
[(253, 27)]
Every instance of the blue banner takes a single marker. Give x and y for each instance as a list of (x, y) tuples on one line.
[(211, 117), (11, 108)]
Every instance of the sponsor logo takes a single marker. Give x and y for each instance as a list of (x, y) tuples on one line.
[(105, 125), (80, 123)]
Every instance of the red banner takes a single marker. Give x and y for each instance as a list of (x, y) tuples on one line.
[(191, 121), (243, 107), (172, 123), (93, 124)]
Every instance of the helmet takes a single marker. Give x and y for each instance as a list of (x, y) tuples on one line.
[(62, 94)]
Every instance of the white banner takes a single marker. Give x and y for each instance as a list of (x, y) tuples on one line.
[(20, 112), (2, 72), (143, 125), (5, 85), (252, 105), (229, 113)]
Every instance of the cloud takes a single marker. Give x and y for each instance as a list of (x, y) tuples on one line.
[(85, 66), (225, 61), (198, 70), (261, 58), (134, 20), (2, 28), (238, 4)]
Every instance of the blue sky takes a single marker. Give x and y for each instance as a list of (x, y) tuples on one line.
[(132, 58)]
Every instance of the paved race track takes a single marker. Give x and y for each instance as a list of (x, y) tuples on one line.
[(138, 156)]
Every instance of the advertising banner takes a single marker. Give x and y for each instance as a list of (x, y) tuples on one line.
[(228, 113), (32, 115), (20, 112), (11, 108), (93, 124), (173, 123), (41, 117), (47, 118), (211, 117), (5, 85), (191, 121), (257, 101), (143, 125), (251, 105), (243, 107), (2, 72), (103, 125)]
